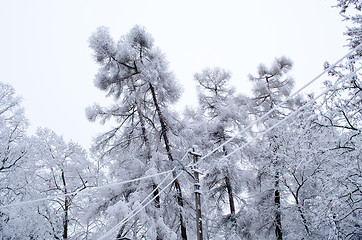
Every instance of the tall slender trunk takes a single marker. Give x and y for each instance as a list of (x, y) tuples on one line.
[(199, 232), (278, 219), (296, 198), (162, 123), (231, 197), (170, 157), (144, 134), (66, 219), (228, 186), (66, 209), (157, 201), (303, 219)]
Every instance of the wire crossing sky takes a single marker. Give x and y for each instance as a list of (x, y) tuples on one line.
[(286, 100), (291, 115), (84, 191), (45, 53), (136, 211)]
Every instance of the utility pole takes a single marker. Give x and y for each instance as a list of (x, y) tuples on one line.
[(197, 195)]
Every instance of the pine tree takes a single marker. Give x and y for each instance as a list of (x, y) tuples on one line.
[(271, 88), (135, 73), (224, 113)]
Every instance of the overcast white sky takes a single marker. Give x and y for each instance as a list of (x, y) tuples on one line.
[(44, 50)]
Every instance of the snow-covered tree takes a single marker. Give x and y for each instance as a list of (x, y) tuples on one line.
[(341, 113), (345, 4), (13, 151), (224, 113), (13, 125), (271, 87), (136, 74), (63, 169)]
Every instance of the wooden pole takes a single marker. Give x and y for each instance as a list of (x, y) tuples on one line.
[(197, 196)]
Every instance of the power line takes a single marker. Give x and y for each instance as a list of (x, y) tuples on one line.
[(79, 192), (253, 123), (135, 212), (289, 116), (281, 103), (205, 156)]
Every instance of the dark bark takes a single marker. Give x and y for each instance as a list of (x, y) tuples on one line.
[(229, 187), (231, 197), (162, 122), (157, 201), (156, 195), (278, 219), (159, 237), (296, 198), (66, 209), (303, 219), (170, 157), (144, 134), (120, 232), (181, 205), (199, 232)]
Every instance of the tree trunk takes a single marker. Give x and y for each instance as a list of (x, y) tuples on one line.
[(170, 157), (162, 122), (278, 219), (120, 232), (144, 134), (66, 219), (66, 209), (156, 195), (296, 197), (149, 154), (157, 201), (181, 205), (303, 219), (228, 186), (199, 232), (231, 197)]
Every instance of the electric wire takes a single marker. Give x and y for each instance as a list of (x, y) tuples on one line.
[(136, 211), (79, 192), (112, 230), (281, 103), (203, 157), (245, 129), (286, 118), (208, 154)]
